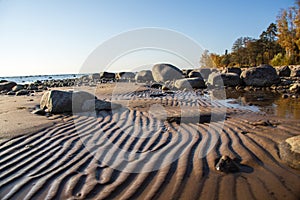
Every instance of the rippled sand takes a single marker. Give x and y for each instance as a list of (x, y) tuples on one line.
[(138, 152)]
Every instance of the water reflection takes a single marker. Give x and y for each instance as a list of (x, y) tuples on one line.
[(265, 101)]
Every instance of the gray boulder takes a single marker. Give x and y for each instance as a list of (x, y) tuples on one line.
[(289, 151), (194, 74), (144, 75), (96, 104), (7, 86), (224, 79), (262, 76), (95, 76), (190, 83), (107, 75), (125, 76), (17, 88), (205, 72), (166, 72), (284, 71), (185, 72), (57, 101), (22, 92), (235, 70)]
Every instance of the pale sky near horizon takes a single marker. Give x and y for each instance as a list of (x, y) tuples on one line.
[(56, 37)]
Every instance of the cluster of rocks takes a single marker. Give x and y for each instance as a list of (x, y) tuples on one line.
[(285, 79), (12, 88)]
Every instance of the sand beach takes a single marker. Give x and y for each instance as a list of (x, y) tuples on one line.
[(82, 156)]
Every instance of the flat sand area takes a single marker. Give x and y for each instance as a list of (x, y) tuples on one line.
[(155, 147)]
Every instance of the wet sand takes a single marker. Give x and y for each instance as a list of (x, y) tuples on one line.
[(74, 158)]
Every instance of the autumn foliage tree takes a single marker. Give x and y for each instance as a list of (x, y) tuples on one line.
[(279, 44), (287, 33)]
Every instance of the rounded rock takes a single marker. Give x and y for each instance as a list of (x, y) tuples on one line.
[(289, 151)]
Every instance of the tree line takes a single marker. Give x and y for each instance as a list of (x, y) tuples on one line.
[(278, 45)]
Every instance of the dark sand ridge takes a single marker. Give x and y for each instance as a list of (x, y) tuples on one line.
[(54, 164)]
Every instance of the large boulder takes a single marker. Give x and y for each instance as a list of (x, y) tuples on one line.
[(166, 72), (205, 72), (17, 88), (190, 83), (22, 92), (95, 76), (125, 76), (186, 72), (235, 70), (194, 74), (57, 101), (284, 71), (289, 151), (224, 79), (262, 76), (107, 75), (144, 75), (7, 86)]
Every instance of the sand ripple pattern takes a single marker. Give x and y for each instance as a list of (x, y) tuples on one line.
[(55, 163)]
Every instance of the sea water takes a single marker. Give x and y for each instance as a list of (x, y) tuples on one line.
[(34, 78)]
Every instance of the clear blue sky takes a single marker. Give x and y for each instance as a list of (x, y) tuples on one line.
[(51, 37)]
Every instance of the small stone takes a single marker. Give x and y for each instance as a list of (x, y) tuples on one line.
[(227, 165), (156, 86), (11, 93), (164, 88), (39, 112), (285, 96), (294, 96)]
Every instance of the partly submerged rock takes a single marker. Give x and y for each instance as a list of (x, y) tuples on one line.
[(224, 79), (289, 151), (262, 76)]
